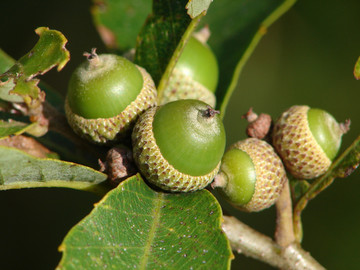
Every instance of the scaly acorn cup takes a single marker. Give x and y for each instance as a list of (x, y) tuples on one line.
[(178, 146), (195, 75), (251, 176), (307, 140), (106, 94)]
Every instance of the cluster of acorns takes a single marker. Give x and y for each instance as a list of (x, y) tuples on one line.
[(179, 146)]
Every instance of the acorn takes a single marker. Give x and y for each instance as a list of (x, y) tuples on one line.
[(251, 176), (106, 94), (195, 75), (307, 140), (178, 146)]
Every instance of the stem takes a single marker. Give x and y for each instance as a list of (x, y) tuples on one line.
[(297, 258), (210, 112), (92, 57), (251, 243), (284, 233), (220, 180), (285, 6)]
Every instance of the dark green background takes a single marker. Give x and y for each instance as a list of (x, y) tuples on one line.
[(307, 57)]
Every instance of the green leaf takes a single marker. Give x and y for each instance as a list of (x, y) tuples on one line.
[(357, 69), (342, 167), (52, 96), (162, 39), (48, 52), (10, 128), (5, 93), (236, 28), (135, 226), (196, 7), (6, 61), (20, 170), (119, 22)]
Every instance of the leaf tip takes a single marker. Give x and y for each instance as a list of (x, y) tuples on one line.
[(41, 30), (357, 69), (65, 54), (62, 247)]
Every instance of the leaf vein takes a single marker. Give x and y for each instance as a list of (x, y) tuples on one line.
[(157, 215)]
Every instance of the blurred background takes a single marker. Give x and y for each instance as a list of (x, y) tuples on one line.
[(306, 57)]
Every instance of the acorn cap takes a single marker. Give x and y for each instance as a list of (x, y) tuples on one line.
[(299, 143), (264, 170), (157, 169), (105, 130)]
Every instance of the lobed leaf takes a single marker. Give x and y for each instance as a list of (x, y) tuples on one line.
[(237, 27), (52, 96), (20, 170), (119, 22), (48, 52), (135, 226)]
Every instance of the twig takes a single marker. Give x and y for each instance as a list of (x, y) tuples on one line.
[(251, 243), (284, 233)]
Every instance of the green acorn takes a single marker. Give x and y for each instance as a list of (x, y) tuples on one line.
[(251, 176), (307, 140), (178, 146), (106, 94), (195, 75)]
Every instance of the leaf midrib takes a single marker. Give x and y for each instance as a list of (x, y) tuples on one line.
[(154, 226)]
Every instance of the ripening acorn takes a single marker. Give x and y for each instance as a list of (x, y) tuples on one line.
[(307, 140), (178, 146), (251, 176), (106, 94), (195, 75)]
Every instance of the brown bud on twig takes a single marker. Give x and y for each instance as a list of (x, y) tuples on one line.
[(118, 165), (259, 126)]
